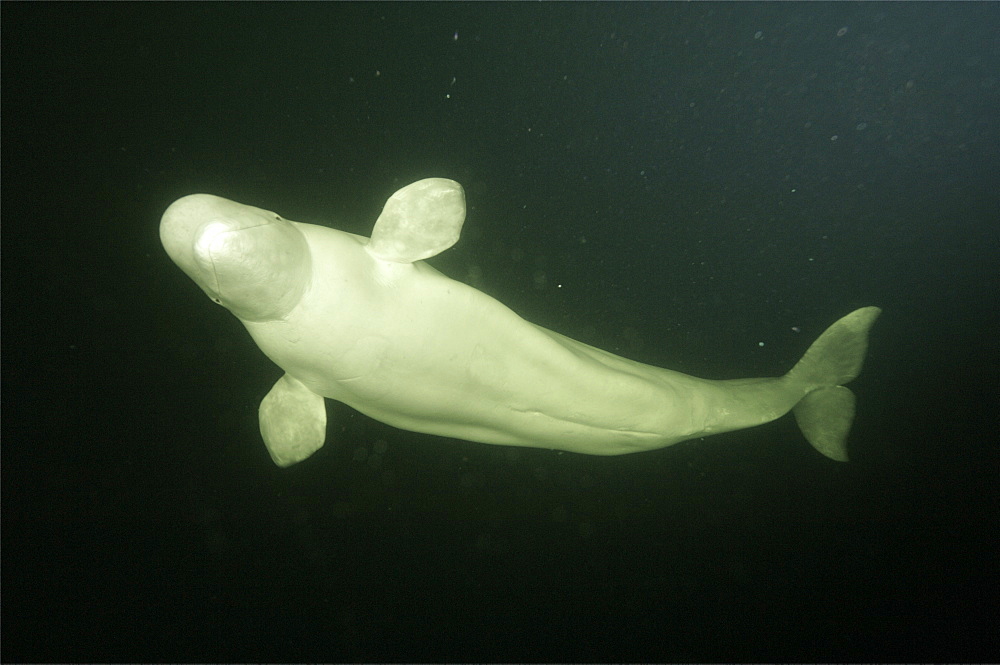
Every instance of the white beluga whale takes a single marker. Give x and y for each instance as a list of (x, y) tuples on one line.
[(369, 323)]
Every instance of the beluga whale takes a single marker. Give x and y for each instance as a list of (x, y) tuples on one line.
[(368, 322)]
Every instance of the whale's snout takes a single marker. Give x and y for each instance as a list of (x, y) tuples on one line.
[(249, 260)]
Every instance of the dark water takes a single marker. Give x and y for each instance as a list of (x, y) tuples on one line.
[(677, 183)]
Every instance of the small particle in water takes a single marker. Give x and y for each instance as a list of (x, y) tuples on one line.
[(454, 37), (862, 126), (834, 137), (842, 31), (760, 343), (796, 329), (759, 34)]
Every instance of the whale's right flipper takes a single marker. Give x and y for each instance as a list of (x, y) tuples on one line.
[(826, 412), (292, 421)]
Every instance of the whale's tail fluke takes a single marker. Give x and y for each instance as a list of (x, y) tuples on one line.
[(826, 412)]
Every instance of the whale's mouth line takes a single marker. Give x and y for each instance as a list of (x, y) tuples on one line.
[(216, 287), (206, 245), (213, 238)]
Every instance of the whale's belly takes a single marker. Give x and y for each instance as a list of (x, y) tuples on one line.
[(426, 353)]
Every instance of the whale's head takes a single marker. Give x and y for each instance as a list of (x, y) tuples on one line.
[(251, 261)]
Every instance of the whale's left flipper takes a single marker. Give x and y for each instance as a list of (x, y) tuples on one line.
[(419, 221), (826, 412)]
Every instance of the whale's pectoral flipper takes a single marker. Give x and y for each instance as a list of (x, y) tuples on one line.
[(826, 412), (292, 421), (420, 220)]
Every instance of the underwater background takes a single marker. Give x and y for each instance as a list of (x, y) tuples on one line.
[(703, 187)]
